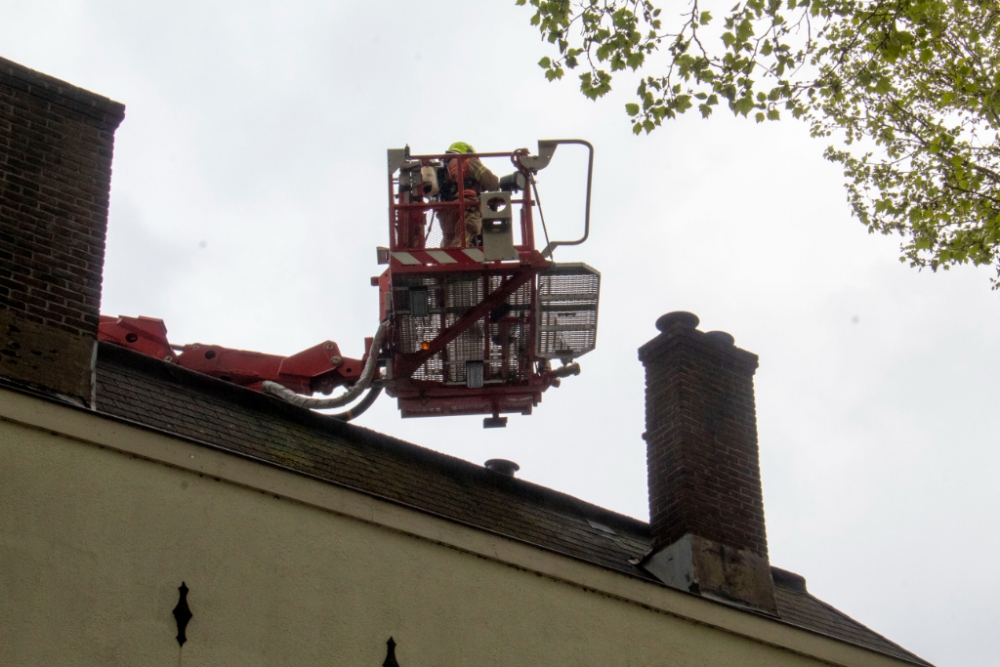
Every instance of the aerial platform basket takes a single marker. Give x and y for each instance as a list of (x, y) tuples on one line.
[(473, 328)]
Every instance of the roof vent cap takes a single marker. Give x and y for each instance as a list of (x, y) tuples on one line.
[(502, 466)]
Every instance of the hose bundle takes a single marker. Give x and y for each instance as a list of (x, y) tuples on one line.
[(349, 396)]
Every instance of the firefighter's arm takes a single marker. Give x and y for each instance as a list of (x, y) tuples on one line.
[(486, 178)]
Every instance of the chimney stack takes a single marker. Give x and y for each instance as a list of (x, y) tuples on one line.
[(56, 142), (706, 508)]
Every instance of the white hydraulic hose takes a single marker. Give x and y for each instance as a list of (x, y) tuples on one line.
[(348, 396)]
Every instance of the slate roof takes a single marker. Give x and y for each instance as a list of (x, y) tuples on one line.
[(161, 396)]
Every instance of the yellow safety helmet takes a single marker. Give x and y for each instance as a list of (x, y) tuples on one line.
[(460, 147)]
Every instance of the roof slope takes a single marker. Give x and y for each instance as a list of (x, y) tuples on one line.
[(162, 396)]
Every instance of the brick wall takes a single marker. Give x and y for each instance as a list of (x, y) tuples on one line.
[(56, 145), (701, 447)]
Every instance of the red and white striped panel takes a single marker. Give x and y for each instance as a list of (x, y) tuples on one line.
[(438, 257)]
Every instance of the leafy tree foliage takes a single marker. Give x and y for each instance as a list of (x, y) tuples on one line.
[(908, 91)]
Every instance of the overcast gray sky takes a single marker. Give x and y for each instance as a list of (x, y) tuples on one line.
[(249, 196)]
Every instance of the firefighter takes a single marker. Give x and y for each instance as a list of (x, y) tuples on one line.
[(477, 179)]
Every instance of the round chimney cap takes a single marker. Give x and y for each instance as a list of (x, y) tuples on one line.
[(678, 317), (723, 337), (502, 466)]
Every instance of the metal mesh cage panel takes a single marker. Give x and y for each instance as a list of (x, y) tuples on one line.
[(504, 352), (567, 311), (423, 230), (412, 331), (501, 340), (433, 235), (462, 294)]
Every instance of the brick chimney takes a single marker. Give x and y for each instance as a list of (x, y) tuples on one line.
[(56, 142), (706, 508)]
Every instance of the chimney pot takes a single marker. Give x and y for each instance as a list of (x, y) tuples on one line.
[(677, 318), (722, 337)]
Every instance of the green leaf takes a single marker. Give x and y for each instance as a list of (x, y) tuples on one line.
[(743, 106), (632, 109), (744, 31)]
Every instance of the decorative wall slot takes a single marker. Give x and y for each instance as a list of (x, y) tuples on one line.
[(182, 614), (390, 654)]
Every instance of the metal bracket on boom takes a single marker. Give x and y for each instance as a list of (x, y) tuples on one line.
[(546, 149)]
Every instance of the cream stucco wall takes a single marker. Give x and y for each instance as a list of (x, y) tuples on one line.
[(94, 542)]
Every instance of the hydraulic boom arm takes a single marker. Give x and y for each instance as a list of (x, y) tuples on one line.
[(320, 369)]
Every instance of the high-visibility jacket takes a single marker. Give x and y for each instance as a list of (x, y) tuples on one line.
[(477, 176)]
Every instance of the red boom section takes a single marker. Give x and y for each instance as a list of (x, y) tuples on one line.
[(321, 368)]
